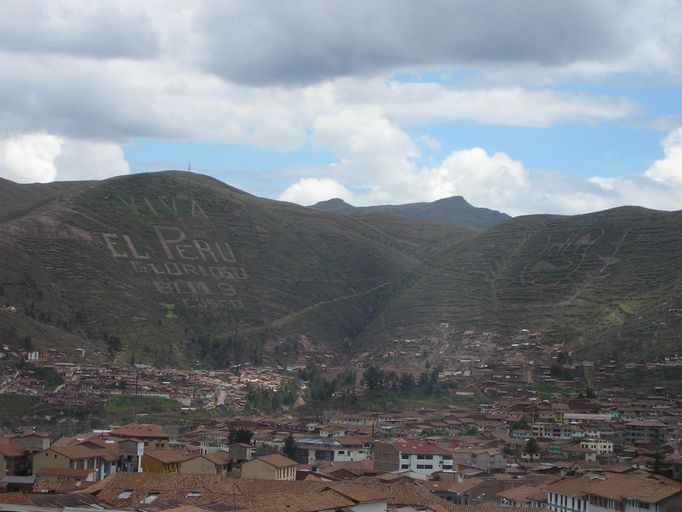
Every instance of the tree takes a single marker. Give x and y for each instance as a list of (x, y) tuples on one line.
[(656, 467), (532, 447), (406, 381), (240, 435), (27, 343), (113, 344), (289, 447), (563, 358), (373, 377)]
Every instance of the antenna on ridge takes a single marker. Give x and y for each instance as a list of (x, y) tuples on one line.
[(189, 166)]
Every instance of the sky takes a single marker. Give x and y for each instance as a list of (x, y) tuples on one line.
[(524, 106)]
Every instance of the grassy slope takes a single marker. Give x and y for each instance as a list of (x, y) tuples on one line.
[(602, 281), (309, 272)]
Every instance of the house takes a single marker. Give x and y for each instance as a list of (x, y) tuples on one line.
[(412, 455), (269, 467), (153, 436), (353, 448), (241, 452), (600, 446), (32, 442), (631, 492), (163, 461), (130, 451), (645, 430), (490, 459), (221, 463), (99, 462), (524, 496), (13, 460)]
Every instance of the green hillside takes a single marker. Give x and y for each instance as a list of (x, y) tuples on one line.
[(603, 282), (177, 266), (181, 269)]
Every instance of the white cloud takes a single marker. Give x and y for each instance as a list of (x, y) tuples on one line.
[(416, 103), (85, 160), (42, 157), (669, 169), (496, 181), (492, 180), (309, 191), (30, 158)]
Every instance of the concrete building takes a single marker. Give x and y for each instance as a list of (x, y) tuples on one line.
[(413, 455), (645, 430)]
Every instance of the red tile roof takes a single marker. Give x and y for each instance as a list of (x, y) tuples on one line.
[(417, 447)]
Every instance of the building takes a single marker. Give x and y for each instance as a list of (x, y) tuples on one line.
[(645, 430), (32, 442), (163, 461), (489, 459), (13, 460), (269, 467), (337, 449), (99, 462), (153, 436), (412, 455), (600, 446), (241, 452), (617, 493)]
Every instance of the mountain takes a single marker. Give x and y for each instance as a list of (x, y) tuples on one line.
[(177, 267), (604, 283), (181, 269), (451, 210)]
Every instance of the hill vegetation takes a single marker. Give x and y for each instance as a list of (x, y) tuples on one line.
[(604, 283), (181, 269)]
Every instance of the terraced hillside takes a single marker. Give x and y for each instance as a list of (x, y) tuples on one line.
[(177, 266), (603, 282), (180, 268)]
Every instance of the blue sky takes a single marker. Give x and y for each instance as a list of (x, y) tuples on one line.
[(525, 107)]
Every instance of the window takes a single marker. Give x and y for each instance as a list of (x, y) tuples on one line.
[(150, 498), (125, 495), (194, 494), (405, 466), (403, 456)]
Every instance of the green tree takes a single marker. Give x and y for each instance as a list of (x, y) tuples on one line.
[(290, 447), (240, 435), (373, 377), (532, 447), (656, 467), (27, 343)]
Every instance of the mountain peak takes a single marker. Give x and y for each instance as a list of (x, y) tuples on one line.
[(454, 210)]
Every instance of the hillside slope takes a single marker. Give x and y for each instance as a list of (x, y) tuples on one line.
[(177, 266), (603, 282)]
